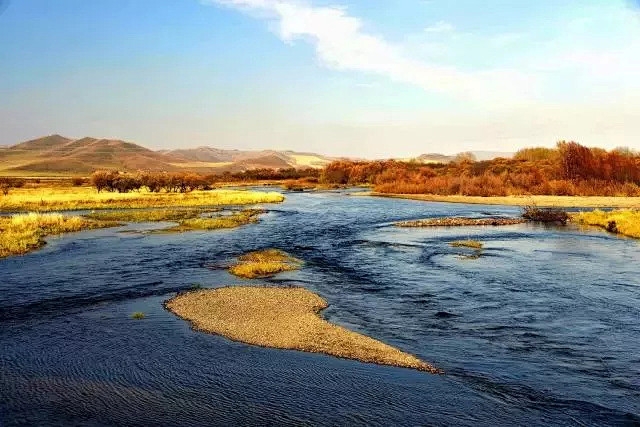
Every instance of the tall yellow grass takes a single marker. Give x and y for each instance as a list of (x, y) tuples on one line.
[(621, 221), (23, 233), (44, 199)]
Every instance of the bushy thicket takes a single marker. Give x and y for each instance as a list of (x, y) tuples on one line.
[(153, 181), (6, 184), (181, 182), (265, 174), (568, 170)]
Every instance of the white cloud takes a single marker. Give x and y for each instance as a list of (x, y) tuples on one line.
[(341, 43), (440, 27)]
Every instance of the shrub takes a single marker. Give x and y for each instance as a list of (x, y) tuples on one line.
[(6, 184), (534, 213), (77, 181)]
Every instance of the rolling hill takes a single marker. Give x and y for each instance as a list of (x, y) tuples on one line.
[(58, 155)]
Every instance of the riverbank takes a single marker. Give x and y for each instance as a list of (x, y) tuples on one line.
[(623, 222), (542, 201), (21, 234), (284, 318)]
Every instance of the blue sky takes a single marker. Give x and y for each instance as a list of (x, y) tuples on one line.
[(344, 77)]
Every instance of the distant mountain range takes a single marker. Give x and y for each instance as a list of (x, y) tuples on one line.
[(57, 155)]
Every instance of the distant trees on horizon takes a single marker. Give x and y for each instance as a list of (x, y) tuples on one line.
[(569, 169)]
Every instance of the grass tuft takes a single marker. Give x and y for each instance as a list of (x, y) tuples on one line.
[(138, 315), (265, 263), (474, 244)]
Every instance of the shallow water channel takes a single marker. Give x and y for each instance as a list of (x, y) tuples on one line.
[(542, 328)]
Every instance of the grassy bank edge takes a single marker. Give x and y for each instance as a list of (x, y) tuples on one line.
[(542, 201)]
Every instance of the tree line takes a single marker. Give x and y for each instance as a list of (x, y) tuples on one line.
[(183, 182), (568, 169)]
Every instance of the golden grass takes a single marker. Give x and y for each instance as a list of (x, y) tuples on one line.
[(138, 215), (264, 263), (546, 201), (286, 318), (23, 233), (236, 219), (75, 198), (467, 244), (622, 221)]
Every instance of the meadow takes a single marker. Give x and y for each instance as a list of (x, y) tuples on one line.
[(45, 199)]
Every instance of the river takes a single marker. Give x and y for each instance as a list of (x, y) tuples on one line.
[(542, 328)]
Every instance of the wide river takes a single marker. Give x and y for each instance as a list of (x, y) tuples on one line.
[(543, 328)]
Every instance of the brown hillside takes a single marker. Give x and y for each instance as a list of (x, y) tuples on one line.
[(58, 155), (62, 155)]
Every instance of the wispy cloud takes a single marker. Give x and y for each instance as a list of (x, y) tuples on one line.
[(440, 27), (341, 43)]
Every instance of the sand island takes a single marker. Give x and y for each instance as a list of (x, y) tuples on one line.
[(285, 318)]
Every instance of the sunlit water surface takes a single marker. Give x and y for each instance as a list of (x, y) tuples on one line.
[(542, 328)]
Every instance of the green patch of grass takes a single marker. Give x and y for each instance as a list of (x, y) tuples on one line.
[(236, 219), (137, 215), (138, 315), (474, 244)]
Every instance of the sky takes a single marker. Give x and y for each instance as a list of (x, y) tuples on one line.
[(366, 78)]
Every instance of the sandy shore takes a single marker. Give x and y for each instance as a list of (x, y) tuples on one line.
[(286, 318), (543, 201), (460, 222)]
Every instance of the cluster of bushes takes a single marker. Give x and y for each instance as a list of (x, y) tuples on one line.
[(568, 170), (153, 181), (265, 174), (6, 184)]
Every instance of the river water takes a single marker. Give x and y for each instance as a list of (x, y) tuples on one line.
[(542, 328)]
